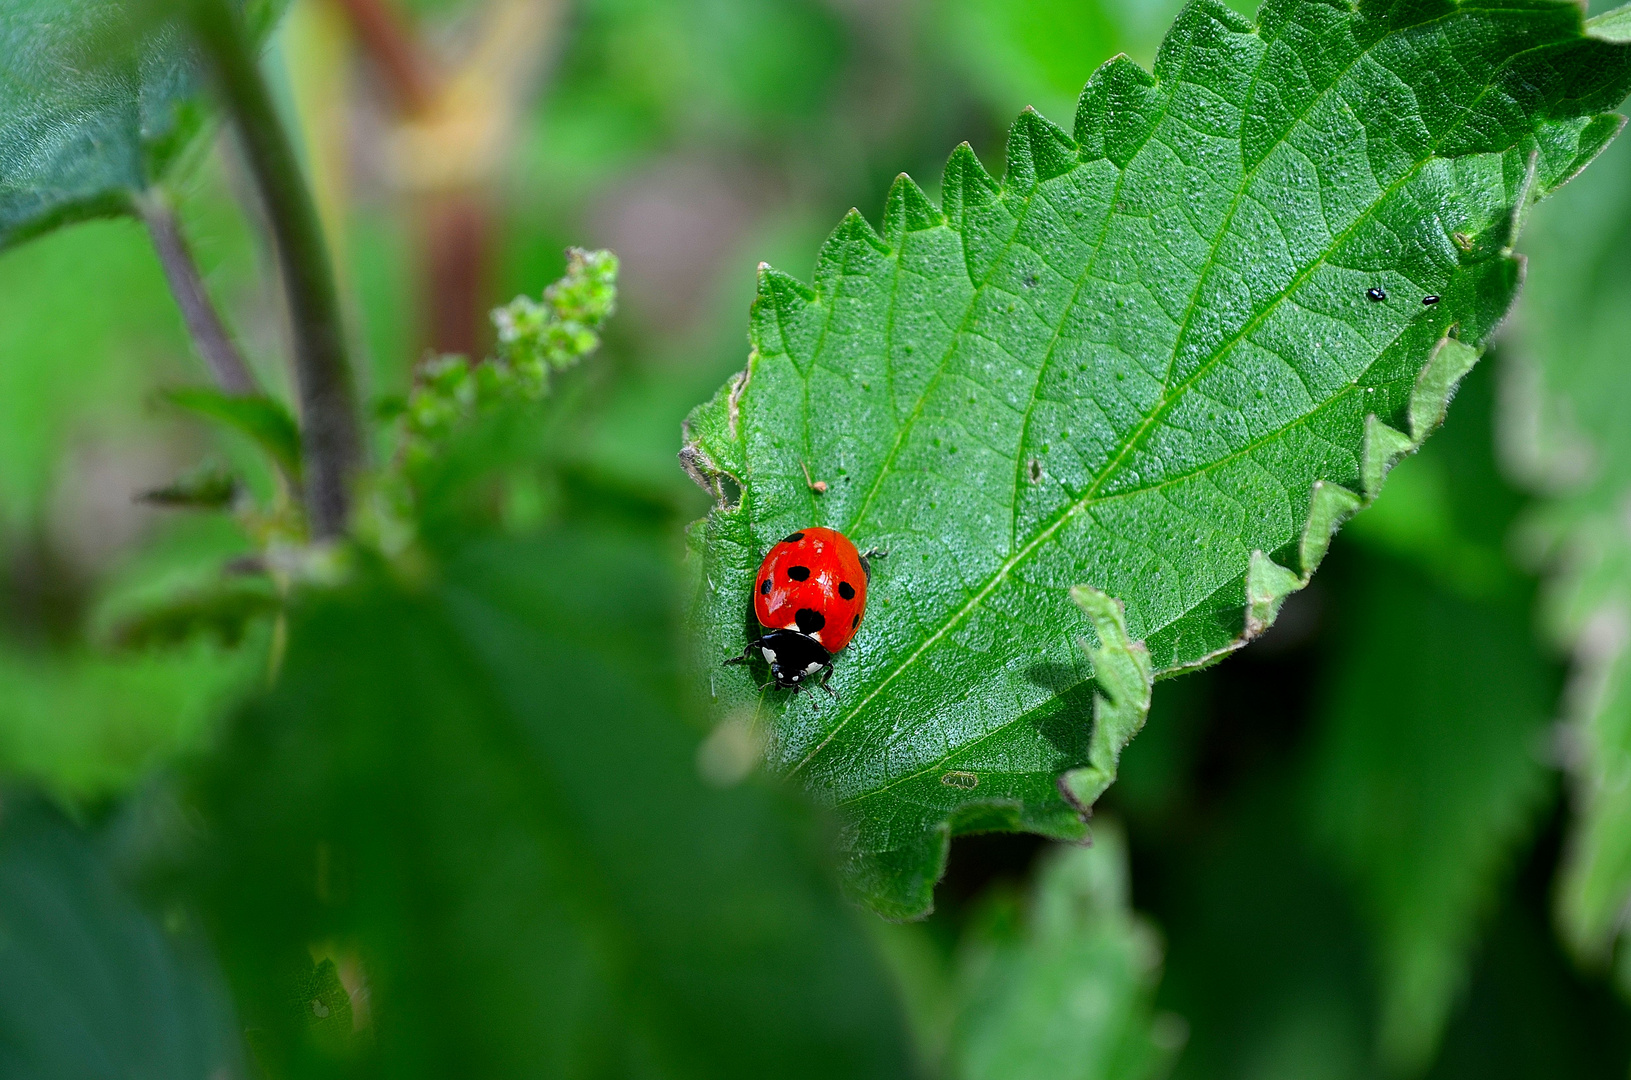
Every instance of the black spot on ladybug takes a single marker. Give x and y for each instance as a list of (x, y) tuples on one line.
[(799, 573), (855, 620), (1430, 299), (1375, 295), (764, 587), (809, 620), (792, 538), (846, 590)]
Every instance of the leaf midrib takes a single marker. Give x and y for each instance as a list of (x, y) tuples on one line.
[(998, 729), (1172, 395)]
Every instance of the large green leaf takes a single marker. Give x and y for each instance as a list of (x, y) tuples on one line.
[(89, 986), (1567, 422), (98, 99), (1145, 362), (481, 801), (93, 106)]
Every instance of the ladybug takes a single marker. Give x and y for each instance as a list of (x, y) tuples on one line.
[(809, 594)]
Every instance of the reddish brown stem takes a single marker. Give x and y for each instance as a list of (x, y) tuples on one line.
[(457, 247), (395, 49)]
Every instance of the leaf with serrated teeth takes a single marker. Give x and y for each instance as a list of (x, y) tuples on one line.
[(1156, 360)]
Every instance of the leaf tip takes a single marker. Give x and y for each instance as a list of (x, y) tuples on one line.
[(1329, 506), (1267, 586), (1448, 363), (907, 210), (1038, 150), (1382, 449), (965, 185)]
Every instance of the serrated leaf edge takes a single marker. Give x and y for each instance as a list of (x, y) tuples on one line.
[(967, 184), (1121, 706)]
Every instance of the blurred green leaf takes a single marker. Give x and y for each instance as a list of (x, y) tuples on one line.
[(482, 801), (264, 420), (1567, 432), (1040, 52), (89, 987), (224, 613), (207, 488), (98, 100), (1063, 989), (709, 67), (1427, 778), (1529, 1011), (86, 725), (94, 104), (1265, 955), (1146, 362)]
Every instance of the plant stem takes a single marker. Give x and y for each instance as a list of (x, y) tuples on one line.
[(396, 51), (330, 440), (209, 333)]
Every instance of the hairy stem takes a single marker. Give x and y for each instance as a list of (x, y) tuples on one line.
[(209, 334), (330, 440)]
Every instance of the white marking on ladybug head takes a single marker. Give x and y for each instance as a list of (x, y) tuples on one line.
[(811, 668), (770, 655)]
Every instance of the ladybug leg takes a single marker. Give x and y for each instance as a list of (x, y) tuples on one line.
[(826, 673), (866, 560), (747, 652)]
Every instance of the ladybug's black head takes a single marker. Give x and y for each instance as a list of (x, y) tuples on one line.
[(794, 658)]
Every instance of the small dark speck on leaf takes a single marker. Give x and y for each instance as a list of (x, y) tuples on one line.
[(1375, 295), (1430, 299), (1035, 468)]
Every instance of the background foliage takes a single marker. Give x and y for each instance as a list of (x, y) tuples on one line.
[(502, 832)]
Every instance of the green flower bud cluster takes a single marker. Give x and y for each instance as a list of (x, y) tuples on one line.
[(535, 339)]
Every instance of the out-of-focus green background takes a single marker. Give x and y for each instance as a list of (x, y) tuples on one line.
[(1344, 842)]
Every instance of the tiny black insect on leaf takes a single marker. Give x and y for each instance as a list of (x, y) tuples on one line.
[(1430, 299), (1376, 295)]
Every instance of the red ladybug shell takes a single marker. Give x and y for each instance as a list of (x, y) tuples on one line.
[(814, 581)]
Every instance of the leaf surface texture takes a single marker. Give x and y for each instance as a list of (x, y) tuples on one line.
[(1126, 366)]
